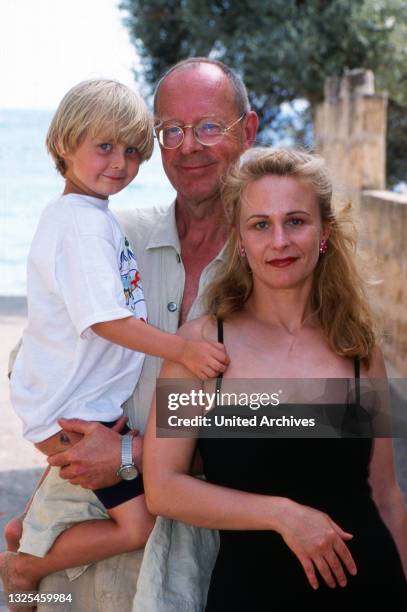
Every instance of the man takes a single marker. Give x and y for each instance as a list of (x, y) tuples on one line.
[(204, 124)]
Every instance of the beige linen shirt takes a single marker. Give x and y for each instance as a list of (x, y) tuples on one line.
[(179, 558), (153, 235)]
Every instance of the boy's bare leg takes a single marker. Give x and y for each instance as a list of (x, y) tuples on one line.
[(84, 543), (14, 528)]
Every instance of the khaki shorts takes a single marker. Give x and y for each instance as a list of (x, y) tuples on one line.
[(56, 506)]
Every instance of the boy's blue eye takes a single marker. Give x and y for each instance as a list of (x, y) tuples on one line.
[(105, 146), (131, 151)]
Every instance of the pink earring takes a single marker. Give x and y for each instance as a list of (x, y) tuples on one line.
[(242, 251), (323, 247)]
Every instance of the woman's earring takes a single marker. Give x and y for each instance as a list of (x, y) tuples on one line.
[(323, 247), (242, 251)]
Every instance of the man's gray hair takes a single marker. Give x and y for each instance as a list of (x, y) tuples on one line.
[(239, 88)]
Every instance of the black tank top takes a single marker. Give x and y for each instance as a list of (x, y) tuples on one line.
[(256, 570)]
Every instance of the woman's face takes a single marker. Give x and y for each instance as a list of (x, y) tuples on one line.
[(281, 231)]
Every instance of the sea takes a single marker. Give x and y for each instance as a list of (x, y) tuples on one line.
[(28, 181)]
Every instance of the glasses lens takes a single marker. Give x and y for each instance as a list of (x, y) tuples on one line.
[(171, 136), (209, 133)]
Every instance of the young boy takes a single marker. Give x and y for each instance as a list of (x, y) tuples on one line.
[(87, 332)]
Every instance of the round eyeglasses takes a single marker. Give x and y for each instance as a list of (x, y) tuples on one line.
[(206, 132)]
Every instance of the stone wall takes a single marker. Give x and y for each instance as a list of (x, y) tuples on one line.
[(350, 132), (383, 222)]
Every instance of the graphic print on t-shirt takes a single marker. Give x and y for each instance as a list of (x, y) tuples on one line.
[(133, 290)]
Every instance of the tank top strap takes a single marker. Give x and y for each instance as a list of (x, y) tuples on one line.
[(356, 367), (219, 324), (219, 377)]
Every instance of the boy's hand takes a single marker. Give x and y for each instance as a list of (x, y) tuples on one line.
[(205, 359)]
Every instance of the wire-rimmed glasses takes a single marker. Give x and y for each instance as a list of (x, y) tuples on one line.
[(206, 132)]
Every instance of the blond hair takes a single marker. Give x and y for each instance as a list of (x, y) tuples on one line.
[(100, 107), (339, 292)]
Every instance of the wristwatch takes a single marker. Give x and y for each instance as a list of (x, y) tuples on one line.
[(127, 470)]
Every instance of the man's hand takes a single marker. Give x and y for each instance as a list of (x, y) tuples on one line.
[(93, 462)]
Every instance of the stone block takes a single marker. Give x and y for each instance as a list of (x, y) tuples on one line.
[(384, 231)]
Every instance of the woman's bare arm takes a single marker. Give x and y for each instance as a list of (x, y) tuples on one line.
[(387, 495), (385, 489)]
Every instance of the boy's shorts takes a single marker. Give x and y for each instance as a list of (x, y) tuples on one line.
[(58, 505), (121, 492)]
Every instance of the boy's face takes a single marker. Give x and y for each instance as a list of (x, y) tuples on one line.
[(100, 167)]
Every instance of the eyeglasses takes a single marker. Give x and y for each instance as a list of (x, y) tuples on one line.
[(206, 132)]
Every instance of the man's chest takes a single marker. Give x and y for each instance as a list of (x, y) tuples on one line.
[(195, 265), (191, 289)]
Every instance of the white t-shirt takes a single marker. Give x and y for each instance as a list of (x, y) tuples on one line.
[(80, 271)]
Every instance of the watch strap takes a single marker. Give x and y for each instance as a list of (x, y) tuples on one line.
[(127, 450)]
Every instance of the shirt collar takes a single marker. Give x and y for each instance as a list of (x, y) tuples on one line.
[(221, 256), (98, 202), (164, 233)]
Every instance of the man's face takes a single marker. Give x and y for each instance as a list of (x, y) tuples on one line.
[(186, 97)]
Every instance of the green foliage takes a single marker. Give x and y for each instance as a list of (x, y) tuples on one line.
[(283, 49), (396, 143)]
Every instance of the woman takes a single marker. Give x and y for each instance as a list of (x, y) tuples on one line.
[(298, 519)]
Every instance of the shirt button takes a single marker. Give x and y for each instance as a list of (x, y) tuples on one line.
[(172, 307), (178, 258)]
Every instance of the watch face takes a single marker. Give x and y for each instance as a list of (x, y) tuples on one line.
[(128, 472)]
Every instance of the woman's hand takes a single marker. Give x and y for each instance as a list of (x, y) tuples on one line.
[(318, 542)]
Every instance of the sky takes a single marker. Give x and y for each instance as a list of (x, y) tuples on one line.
[(47, 46)]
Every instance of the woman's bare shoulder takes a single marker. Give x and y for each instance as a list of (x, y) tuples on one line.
[(202, 328)]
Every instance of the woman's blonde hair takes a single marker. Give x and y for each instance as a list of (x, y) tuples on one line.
[(339, 292), (100, 107)]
